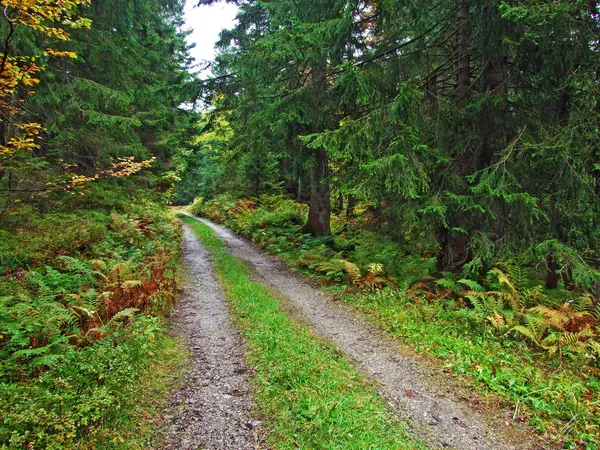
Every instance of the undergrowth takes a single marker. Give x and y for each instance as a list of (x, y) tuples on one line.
[(537, 349), (82, 297), (311, 397)]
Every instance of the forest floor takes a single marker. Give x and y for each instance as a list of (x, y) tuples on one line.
[(215, 406)]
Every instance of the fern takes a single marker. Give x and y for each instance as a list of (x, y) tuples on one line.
[(472, 285), (583, 303), (575, 341), (448, 283), (375, 268), (124, 314), (564, 330), (129, 285), (595, 348), (508, 291), (527, 332), (555, 318), (518, 276), (351, 270), (331, 267)]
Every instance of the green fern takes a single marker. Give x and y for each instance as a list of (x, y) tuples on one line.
[(331, 267), (127, 313), (472, 285), (448, 283)]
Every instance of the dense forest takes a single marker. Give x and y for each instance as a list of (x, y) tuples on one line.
[(468, 129), (444, 154), (91, 129), (434, 165)]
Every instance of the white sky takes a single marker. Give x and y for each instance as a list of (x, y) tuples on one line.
[(206, 22)]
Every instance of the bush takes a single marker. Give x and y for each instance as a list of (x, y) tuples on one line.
[(79, 293), (76, 394), (196, 207)]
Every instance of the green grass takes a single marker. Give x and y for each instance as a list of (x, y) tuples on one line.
[(311, 397), (557, 397)]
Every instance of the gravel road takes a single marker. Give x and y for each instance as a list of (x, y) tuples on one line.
[(440, 411), (213, 408)]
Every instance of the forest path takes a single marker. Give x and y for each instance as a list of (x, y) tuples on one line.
[(213, 408), (439, 410)]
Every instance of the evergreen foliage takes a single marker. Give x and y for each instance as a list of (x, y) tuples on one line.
[(470, 125), (88, 258)]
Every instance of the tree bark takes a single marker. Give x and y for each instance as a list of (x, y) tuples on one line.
[(463, 68), (594, 13), (319, 211), (452, 247), (2, 142), (495, 72), (552, 274)]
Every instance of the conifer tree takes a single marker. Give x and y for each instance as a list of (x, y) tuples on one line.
[(475, 123)]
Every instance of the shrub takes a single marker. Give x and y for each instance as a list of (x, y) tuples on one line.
[(196, 207), (76, 394), (77, 318)]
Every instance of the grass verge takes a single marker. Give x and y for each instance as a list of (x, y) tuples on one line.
[(558, 399), (310, 396)]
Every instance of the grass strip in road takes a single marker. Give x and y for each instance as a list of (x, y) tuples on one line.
[(311, 397)]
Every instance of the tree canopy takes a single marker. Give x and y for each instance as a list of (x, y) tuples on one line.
[(470, 125)]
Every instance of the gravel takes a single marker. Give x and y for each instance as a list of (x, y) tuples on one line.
[(213, 408), (438, 409)]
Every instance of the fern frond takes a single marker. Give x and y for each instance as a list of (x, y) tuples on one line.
[(517, 275), (330, 267), (575, 341), (595, 347), (537, 323), (555, 317), (534, 296), (583, 303), (351, 270), (124, 314), (527, 333), (129, 285), (504, 281), (448, 283), (497, 320), (375, 268), (472, 285)]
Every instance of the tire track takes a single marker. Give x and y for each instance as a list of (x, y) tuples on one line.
[(213, 407), (440, 412)]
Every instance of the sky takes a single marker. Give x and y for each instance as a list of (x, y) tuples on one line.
[(206, 22)]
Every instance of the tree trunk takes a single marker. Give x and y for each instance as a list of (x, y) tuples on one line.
[(319, 211), (463, 68), (453, 247), (593, 12), (495, 72), (552, 274), (443, 236), (350, 206), (318, 223), (3, 141)]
